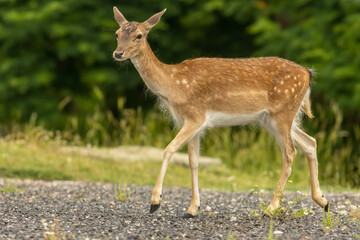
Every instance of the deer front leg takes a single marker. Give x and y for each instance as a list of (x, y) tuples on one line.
[(193, 149), (189, 129)]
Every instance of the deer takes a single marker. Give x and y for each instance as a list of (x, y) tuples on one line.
[(203, 93)]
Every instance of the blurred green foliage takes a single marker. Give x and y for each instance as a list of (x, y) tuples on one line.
[(56, 55), (57, 69)]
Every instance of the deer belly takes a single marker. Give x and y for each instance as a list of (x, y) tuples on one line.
[(219, 119)]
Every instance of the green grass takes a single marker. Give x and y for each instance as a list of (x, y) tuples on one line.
[(248, 149), (121, 192), (27, 158), (329, 221), (271, 231), (251, 156), (11, 188)]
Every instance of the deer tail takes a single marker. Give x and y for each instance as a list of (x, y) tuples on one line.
[(306, 103)]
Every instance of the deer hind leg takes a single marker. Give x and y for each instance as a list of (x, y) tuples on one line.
[(308, 145), (193, 149), (189, 129), (282, 132)]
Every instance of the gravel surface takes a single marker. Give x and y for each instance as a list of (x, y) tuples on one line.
[(78, 210)]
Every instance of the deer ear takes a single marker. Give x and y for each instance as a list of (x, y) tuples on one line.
[(152, 21), (120, 19)]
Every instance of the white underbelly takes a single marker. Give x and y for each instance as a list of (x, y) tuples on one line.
[(219, 119)]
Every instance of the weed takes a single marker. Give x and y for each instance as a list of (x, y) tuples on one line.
[(53, 230), (11, 188), (230, 236), (271, 231), (254, 213), (122, 193), (355, 235), (329, 221), (284, 211), (301, 212), (255, 190)]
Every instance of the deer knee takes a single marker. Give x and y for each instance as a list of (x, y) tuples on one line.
[(288, 172), (310, 151), (290, 155), (167, 154), (313, 142)]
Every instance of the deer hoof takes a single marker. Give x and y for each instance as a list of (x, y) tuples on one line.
[(326, 208), (188, 215), (154, 207), (266, 216)]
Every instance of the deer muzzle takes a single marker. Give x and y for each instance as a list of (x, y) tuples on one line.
[(118, 55)]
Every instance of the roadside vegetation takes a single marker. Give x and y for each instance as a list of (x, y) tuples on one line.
[(250, 155)]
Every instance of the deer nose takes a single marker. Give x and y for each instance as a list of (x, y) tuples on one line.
[(119, 55)]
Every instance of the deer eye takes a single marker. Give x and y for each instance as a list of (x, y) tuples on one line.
[(139, 36)]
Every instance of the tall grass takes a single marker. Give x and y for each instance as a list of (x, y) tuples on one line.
[(249, 149)]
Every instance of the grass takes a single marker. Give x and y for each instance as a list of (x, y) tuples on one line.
[(357, 236), (24, 160), (122, 193), (230, 236), (250, 155), (329, 221), (53, 230), (284, 211), (11, 188), (271, 231), (27, 158), (35, 154)]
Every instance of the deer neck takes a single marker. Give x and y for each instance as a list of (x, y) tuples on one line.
[(151, 70)]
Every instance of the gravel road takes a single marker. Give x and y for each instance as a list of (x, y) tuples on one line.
[(78, 210)]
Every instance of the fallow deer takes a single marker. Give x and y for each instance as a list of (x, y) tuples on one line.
[(203, 93)]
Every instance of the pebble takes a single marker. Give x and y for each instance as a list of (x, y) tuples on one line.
[(353, 207), (343, 212)]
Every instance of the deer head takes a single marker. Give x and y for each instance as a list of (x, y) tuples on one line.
[(131, 36)]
